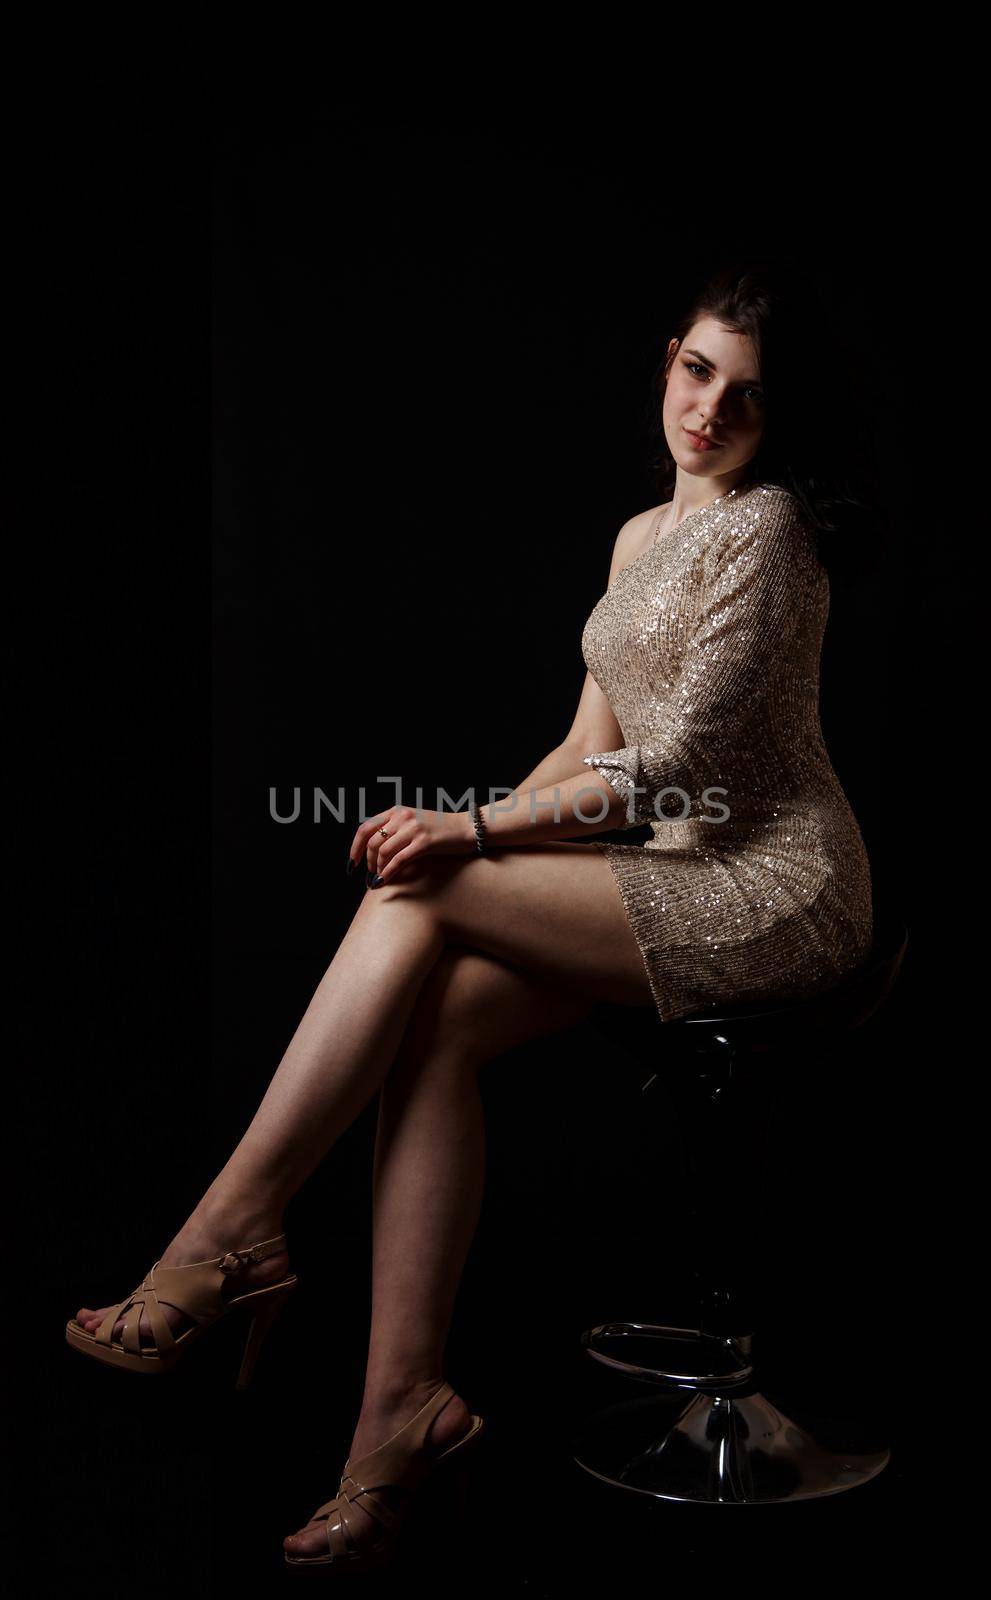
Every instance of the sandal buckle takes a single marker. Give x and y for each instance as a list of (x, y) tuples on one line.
[(231, 1262)]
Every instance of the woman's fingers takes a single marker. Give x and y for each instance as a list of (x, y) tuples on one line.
[(405, 846), (377, 848), (364, 845), (375, 844)]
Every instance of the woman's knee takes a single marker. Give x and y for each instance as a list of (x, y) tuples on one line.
[(421, 880)]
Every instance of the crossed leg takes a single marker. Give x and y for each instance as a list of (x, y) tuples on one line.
[(430, 1165), (552, 914), (428, 1183)]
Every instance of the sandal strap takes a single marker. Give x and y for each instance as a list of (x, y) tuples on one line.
[(399, 1463), (341, 1523), (161, 1332), (401, 1459), (342, 1539), (196, 1289)]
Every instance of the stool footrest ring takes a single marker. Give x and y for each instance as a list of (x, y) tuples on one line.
[(633, 1348)]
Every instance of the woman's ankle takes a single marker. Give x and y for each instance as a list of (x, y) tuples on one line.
[(241, 1197), (235, 1225), (394, 1395)]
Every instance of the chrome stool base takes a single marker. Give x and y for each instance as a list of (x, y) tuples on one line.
[(735, 1449), (729, 1445)]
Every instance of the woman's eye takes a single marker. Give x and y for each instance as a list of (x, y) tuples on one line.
[(694, 368)]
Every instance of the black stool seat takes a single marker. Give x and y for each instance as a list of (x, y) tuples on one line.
[(730, 1444)]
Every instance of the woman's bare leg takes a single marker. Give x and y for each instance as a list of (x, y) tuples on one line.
[(428, 1185), (338, 1056), (429, 1167), (554, 911)]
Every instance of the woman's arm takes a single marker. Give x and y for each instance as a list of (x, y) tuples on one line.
[(564, 761), (594, 728), (533, 814), (560, 775)]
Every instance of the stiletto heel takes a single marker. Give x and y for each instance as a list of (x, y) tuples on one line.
[(261, 1321)]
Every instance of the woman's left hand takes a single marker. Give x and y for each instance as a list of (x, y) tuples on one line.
[(411, 835)]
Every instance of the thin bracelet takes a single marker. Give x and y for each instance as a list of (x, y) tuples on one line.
[(478, 824)]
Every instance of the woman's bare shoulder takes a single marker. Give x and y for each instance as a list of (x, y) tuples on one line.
[(633, 539), (638, 527)]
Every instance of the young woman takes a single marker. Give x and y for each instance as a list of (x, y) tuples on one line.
[(482, 931)]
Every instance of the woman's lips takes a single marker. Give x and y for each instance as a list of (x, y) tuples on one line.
[(700, 442)]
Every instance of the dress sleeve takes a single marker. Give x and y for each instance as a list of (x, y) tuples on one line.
[(758, 579)]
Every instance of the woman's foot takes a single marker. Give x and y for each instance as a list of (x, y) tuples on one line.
[(450, 1424), (203, 1240)]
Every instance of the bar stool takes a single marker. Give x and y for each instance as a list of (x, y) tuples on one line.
[(730, 1444)]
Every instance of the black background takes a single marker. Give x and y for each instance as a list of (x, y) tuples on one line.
[(431, 352)]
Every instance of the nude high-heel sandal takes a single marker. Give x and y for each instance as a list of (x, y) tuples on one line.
[(200, 1290), (402, 1462)]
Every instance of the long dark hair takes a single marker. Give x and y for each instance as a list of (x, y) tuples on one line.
[(818, 439)]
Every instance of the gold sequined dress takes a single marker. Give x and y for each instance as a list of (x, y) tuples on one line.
[(707, 647)]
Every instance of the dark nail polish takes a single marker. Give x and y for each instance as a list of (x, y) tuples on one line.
[(351, 863)]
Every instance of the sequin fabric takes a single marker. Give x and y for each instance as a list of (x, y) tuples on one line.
[(707, 647)]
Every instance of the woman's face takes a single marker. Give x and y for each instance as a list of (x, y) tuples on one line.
[(713, 390)]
